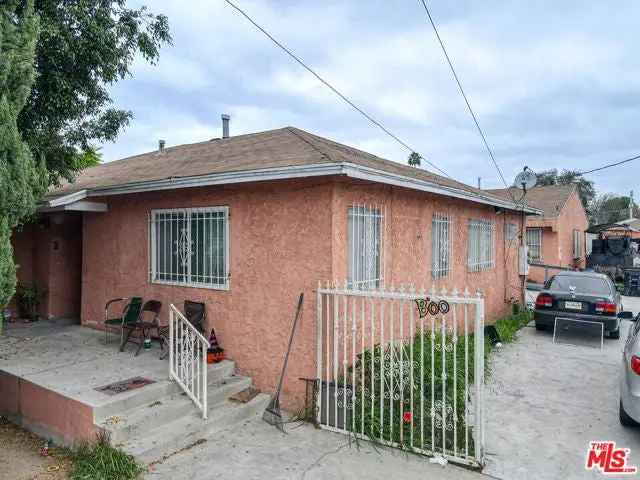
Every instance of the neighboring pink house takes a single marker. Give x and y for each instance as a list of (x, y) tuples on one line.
[(558, 236), (247, 223)]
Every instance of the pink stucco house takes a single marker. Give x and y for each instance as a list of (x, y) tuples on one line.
[(558, 236), (264, 217)]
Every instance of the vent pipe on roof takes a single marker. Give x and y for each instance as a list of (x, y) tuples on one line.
[(160, 146), (225, 125)]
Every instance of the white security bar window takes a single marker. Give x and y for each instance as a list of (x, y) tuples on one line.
[(440, 245), (480, 248), (577, 244), (365, 225), (510, 232), (190, 246), (534, 244)]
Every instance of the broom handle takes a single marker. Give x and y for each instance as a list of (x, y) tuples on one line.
[(286, 357)]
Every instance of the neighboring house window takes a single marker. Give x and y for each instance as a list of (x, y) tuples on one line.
[(577, 244), (440, 245), (480, 247), (190, 246), (534, 244), (510, 232), (365, 235)]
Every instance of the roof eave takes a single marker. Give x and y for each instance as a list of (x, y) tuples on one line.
[(280, 173)]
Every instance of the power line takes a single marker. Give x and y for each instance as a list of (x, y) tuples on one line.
[(610, 165), (466, 100), (331, 87)]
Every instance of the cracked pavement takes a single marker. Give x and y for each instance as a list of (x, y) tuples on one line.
[(257, 450)]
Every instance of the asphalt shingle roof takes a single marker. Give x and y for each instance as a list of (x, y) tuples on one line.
[(283, 147), (549, 198)]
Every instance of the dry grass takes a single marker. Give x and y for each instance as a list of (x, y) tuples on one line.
[(21, 458)]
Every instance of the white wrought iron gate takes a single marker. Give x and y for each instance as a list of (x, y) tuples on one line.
[(188, 358), (403, 368)]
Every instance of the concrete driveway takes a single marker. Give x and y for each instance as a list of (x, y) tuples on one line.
[(259, 451), (546, 401)]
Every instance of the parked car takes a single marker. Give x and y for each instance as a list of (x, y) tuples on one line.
[(584, 296), (630, 378)]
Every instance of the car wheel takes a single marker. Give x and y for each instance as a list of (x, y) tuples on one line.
[(626, 420), (540, 326), (615, 334)]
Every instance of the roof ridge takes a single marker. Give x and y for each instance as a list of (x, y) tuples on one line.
[(292, 131)]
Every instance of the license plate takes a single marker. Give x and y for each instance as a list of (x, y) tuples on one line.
[(573, 305)]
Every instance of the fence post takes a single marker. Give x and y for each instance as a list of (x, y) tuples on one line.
[(318, 392), (171, 334), (479, 379)]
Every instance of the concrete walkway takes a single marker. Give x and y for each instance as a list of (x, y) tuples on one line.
[(546, 401), (257, 450)]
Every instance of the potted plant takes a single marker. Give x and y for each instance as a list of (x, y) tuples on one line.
[(28, 299)]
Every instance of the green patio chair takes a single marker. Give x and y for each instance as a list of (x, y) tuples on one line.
[(130, 314)]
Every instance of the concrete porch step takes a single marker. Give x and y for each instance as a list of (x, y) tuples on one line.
[(128, 401), (141, 420), (186, 431)]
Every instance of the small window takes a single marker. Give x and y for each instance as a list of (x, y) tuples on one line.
[(480, 246), (440, 245), (365, 235), (189, 247), (534, 244), (577, 244), (510, 232)]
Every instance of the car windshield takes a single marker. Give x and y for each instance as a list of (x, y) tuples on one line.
[(586, 285)]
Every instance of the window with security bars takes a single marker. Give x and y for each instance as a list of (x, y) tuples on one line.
[(365, 243), (534, 244), (190, 246), (510, 232), (577, 244), (480, 247), (440, 245)]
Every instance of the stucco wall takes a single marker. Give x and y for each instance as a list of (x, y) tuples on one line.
[(408, 242), (49, 255), (284, 238), (279, 247), (557, 237), (45, 412), (572, 217)]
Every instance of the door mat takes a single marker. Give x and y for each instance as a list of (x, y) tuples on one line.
[(124, 385), (245, 395)]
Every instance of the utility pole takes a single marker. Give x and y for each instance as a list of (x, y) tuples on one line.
[(479, 182), (631, 205)]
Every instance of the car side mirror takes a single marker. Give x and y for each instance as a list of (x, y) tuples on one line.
[(626, 316)]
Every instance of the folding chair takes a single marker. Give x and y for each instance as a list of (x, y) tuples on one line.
[(129, 314), (143, 326)]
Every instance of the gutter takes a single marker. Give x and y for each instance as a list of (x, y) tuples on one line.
[(281, 173)]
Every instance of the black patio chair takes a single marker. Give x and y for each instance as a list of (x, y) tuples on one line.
[(143, 326), (195, 313), (130, 313)]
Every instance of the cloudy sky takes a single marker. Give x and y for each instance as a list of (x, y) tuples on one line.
[(554, 84)]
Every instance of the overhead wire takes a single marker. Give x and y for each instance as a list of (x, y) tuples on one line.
[(332, 88)]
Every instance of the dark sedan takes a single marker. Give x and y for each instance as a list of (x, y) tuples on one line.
[(585, 296)]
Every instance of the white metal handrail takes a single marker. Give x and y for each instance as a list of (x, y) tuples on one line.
[(188, 358)]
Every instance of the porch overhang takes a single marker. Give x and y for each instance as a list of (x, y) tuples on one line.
[(78, 206)]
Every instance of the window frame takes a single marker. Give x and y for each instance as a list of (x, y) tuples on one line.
[(481, 226), (440, 223), (577, 244), (374, 214), (537, 230), (188, 211)]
